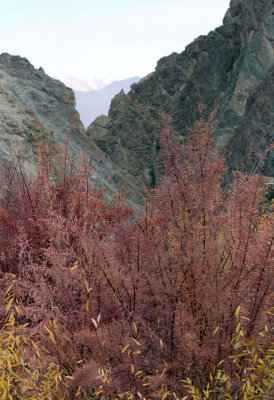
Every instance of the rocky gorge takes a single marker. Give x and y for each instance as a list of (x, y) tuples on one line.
[(231, 71), (163, 293), (35, 108)]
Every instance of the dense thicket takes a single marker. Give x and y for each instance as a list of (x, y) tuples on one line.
[(135, 303)]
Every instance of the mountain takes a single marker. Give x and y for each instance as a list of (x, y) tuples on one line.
[(35, 107), (83, 85), (230, 70), (92, 104)]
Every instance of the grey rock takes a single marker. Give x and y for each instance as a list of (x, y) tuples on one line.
[(36, 108), (229, 70), (94, 103)]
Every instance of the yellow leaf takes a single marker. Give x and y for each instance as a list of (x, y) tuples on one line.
[(132, 369), (87, 306), (55, 325), (136, 341), (11, 318), (165, 395), (78, 391), (56, 376), (10, 303), (206, 392), (237, 311), (53, 340), (216, 330), (124, 349), (18, 310), (34, 344), (46, 349), (87, 286), (49, 331), (8, 289), (136, 352), (75, 265), (5, 393), (98, 392)]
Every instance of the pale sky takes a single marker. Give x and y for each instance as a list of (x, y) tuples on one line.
[(108, 39)]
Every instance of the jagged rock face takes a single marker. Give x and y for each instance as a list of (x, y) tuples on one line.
[(33, 107), (36, 108), (91, 104), (230, 70)]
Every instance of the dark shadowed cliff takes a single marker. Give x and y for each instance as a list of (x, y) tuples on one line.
[(231, 71)]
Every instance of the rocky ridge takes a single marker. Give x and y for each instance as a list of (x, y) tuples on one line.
[(231, 71), (91, 104), (35, 107)]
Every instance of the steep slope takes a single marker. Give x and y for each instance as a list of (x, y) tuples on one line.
[(230, 70), (94, 103), (34, 107)]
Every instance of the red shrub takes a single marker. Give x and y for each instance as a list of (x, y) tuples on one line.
[(140, 299)]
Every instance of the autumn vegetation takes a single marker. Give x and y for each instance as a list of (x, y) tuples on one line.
[(172, 301)]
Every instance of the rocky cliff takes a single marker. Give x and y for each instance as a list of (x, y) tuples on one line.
[(35, 107), (93, 103), (231, 71)]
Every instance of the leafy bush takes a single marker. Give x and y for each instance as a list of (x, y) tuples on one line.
[(253, 377), (143, 302), (25, 374)]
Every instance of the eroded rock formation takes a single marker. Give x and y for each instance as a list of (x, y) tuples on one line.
[(36, 108), (231, 71)]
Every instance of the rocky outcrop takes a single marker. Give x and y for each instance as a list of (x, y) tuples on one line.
[(33, 107), (93, 103), (230, 70), (36, 108)]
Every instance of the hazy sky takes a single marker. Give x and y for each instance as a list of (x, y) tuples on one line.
[(103, 38)]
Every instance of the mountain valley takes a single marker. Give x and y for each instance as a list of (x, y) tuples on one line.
[(230, 71)]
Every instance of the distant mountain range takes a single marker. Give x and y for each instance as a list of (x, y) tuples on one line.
[(94, 103), (83, 85)]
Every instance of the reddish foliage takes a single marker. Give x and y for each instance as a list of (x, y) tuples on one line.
[(157, 285)]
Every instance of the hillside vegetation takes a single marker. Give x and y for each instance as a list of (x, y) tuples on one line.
[(172, 302)]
